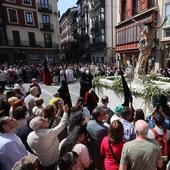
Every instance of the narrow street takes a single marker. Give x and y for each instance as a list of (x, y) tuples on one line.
[(48, 91)]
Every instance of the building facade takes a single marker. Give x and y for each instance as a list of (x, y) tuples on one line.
[(68, 33), (111, 20), (83, 29), (32, 30), (98, 31), (93, 32), (128, 31), (3, 37), (165, 33)]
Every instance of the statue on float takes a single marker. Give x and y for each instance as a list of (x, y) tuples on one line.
[(146, 44)]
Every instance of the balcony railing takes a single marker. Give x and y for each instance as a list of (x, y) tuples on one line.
[(44, 8), (46, 27), (3, 42), (28, 44)]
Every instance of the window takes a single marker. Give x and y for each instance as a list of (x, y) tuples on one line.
[(136, 4), (102, 16), (102, 10), (167, 32), (167, 14), (16, 38), (44, 3), (31, 36), (29, 18), (151, 3), (12, 15), (2, 37), (123, 15), (45, 19), (27, 2), (48, 40)]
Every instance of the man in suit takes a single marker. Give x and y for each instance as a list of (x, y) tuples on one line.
[(97, 131)]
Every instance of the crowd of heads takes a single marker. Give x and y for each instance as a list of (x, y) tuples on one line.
[(82, 125)]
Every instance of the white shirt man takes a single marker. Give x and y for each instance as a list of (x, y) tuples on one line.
[(29, 100), (44, 142), (11, 147)]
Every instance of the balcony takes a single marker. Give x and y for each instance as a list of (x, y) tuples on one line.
[(46, 27), (28, 44), (44, 8), (3, 42)]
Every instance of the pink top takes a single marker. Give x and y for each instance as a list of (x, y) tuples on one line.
[(109, 162), (84, 158)]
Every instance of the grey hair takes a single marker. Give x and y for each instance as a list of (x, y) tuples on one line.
[(33, 90), (35, 123)]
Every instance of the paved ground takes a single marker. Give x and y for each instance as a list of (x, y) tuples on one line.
[(48, 91)]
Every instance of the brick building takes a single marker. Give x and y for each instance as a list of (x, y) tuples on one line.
[(128, 32), (165, 34), (32, 30)]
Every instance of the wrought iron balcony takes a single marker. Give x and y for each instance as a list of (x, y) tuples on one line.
[(3, 42), (28, 44), (46, 27), (44, 8)]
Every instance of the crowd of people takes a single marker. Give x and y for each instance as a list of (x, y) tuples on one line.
[(56, 73), (86, 135)]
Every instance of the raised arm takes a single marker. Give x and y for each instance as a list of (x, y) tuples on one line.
[(159, 26), (63, 122)]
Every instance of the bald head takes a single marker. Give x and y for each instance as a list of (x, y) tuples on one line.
[(38, 123), (34, 91), (141, 128)]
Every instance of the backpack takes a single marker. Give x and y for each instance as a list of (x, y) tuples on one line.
[(162, 141)]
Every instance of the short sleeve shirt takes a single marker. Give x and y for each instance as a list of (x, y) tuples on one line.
[(141, 155)]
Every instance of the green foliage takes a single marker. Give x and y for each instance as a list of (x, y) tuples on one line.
[(153, 76), (150, 91), (117, 84), (157, 77), (96, 81)]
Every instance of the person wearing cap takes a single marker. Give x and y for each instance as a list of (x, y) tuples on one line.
[(85, 83), (117, 111), (44, 142)]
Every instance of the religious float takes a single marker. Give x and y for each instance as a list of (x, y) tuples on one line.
[(143, 93), (142, 87)]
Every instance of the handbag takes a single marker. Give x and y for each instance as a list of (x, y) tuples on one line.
[(114, 156)]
